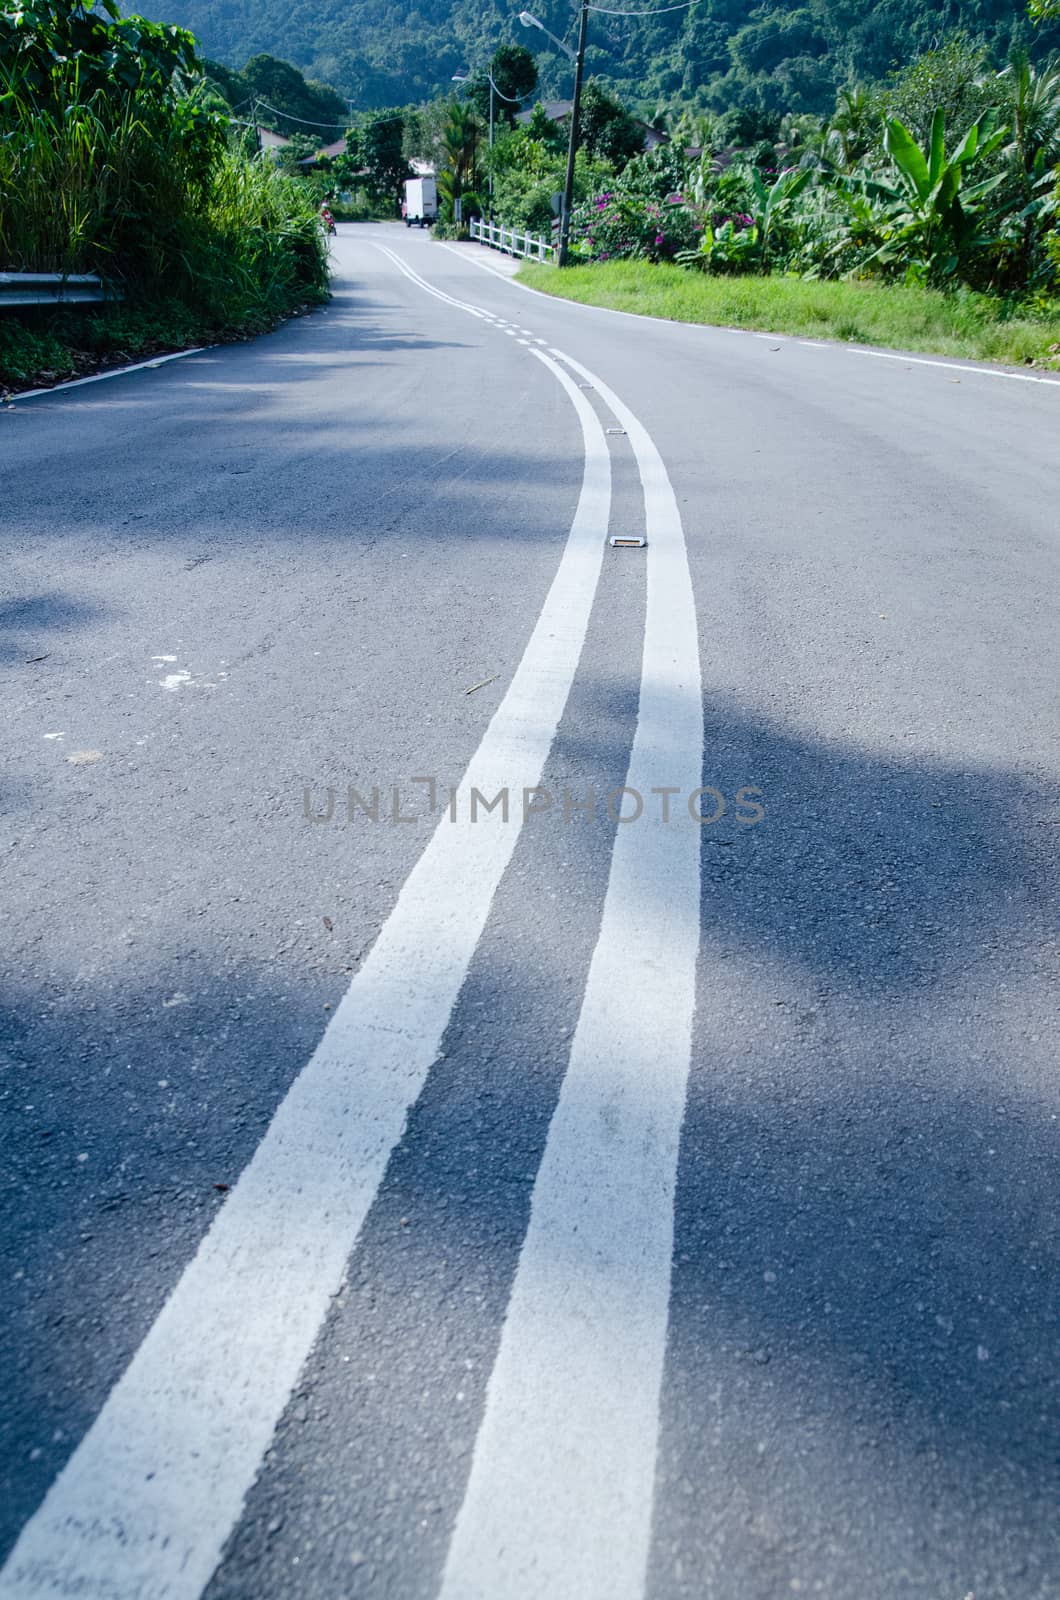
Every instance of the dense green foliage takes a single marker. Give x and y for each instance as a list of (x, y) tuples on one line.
[(276, 95), (112, 161), (781, 55), (956, 189)]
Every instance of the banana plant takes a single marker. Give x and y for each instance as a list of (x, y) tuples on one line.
[(936, 215), (770, 201)]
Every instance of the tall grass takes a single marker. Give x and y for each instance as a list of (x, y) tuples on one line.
[(89, 180), (136, 181), (254, 247)]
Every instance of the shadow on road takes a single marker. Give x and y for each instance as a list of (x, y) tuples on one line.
[(28, 622), (865, 1229)]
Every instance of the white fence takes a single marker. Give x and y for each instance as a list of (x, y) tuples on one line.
[(511, 241)]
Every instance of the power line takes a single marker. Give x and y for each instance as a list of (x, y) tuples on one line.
[(657, 11), (291, 118)]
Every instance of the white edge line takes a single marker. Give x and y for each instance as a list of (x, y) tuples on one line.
[(971, 367), (505, 277), (114, 372)]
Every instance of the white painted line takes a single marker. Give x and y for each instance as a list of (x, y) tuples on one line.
[(972, 368), (143, 1508), (439, 294), (485, 263), (559, 1499), (966, 367), (114, 372)]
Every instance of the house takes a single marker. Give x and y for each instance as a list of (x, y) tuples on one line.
[(267, 140), (555, 110)]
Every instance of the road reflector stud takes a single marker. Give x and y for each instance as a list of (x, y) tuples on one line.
[(625, 541), (621, 431), (585, 386)]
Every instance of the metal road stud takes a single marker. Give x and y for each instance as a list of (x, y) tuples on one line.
[(626, 541)]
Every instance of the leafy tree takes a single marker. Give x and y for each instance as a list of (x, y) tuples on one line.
[(43, 41), (229, 84), (546, 131), (747, 125), (318, 108), (422, 139), (953, 79), (771, 39), (657, 173), (606, 130), (776, 56), (378, 147), (301, 148), (514, 72)]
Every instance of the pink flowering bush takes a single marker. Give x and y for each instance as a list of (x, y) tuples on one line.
[(619, 226)]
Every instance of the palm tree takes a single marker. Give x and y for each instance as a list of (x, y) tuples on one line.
[(457, 179), (1030, 102), (1032, 107), (855, 124)]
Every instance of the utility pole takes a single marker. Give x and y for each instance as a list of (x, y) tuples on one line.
[(572, 147), (489, 74)]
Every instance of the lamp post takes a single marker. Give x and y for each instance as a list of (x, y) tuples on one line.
[(578, 57), (463, 77)]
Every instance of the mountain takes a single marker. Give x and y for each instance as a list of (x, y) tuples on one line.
[(716, 54)]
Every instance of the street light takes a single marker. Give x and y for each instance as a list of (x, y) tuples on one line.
[(528, 20)]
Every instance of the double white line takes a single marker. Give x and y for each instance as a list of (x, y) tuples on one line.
[(559, 1498)]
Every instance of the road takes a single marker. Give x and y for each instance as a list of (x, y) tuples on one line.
[(405, 1198)]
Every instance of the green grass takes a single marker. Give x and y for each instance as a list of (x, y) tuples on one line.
[(973, 326)]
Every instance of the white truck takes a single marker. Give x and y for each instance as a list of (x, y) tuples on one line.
[(421, 201)]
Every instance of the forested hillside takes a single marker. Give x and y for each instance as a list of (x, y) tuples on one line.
[(717, 54)]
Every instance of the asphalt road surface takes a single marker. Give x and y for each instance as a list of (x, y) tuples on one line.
[(419, 1183)]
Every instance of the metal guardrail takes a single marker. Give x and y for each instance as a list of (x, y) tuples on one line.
[(53, 289), (511, 241)]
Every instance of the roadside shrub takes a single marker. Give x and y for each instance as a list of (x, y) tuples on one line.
[(111, 163), (617, 226)]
